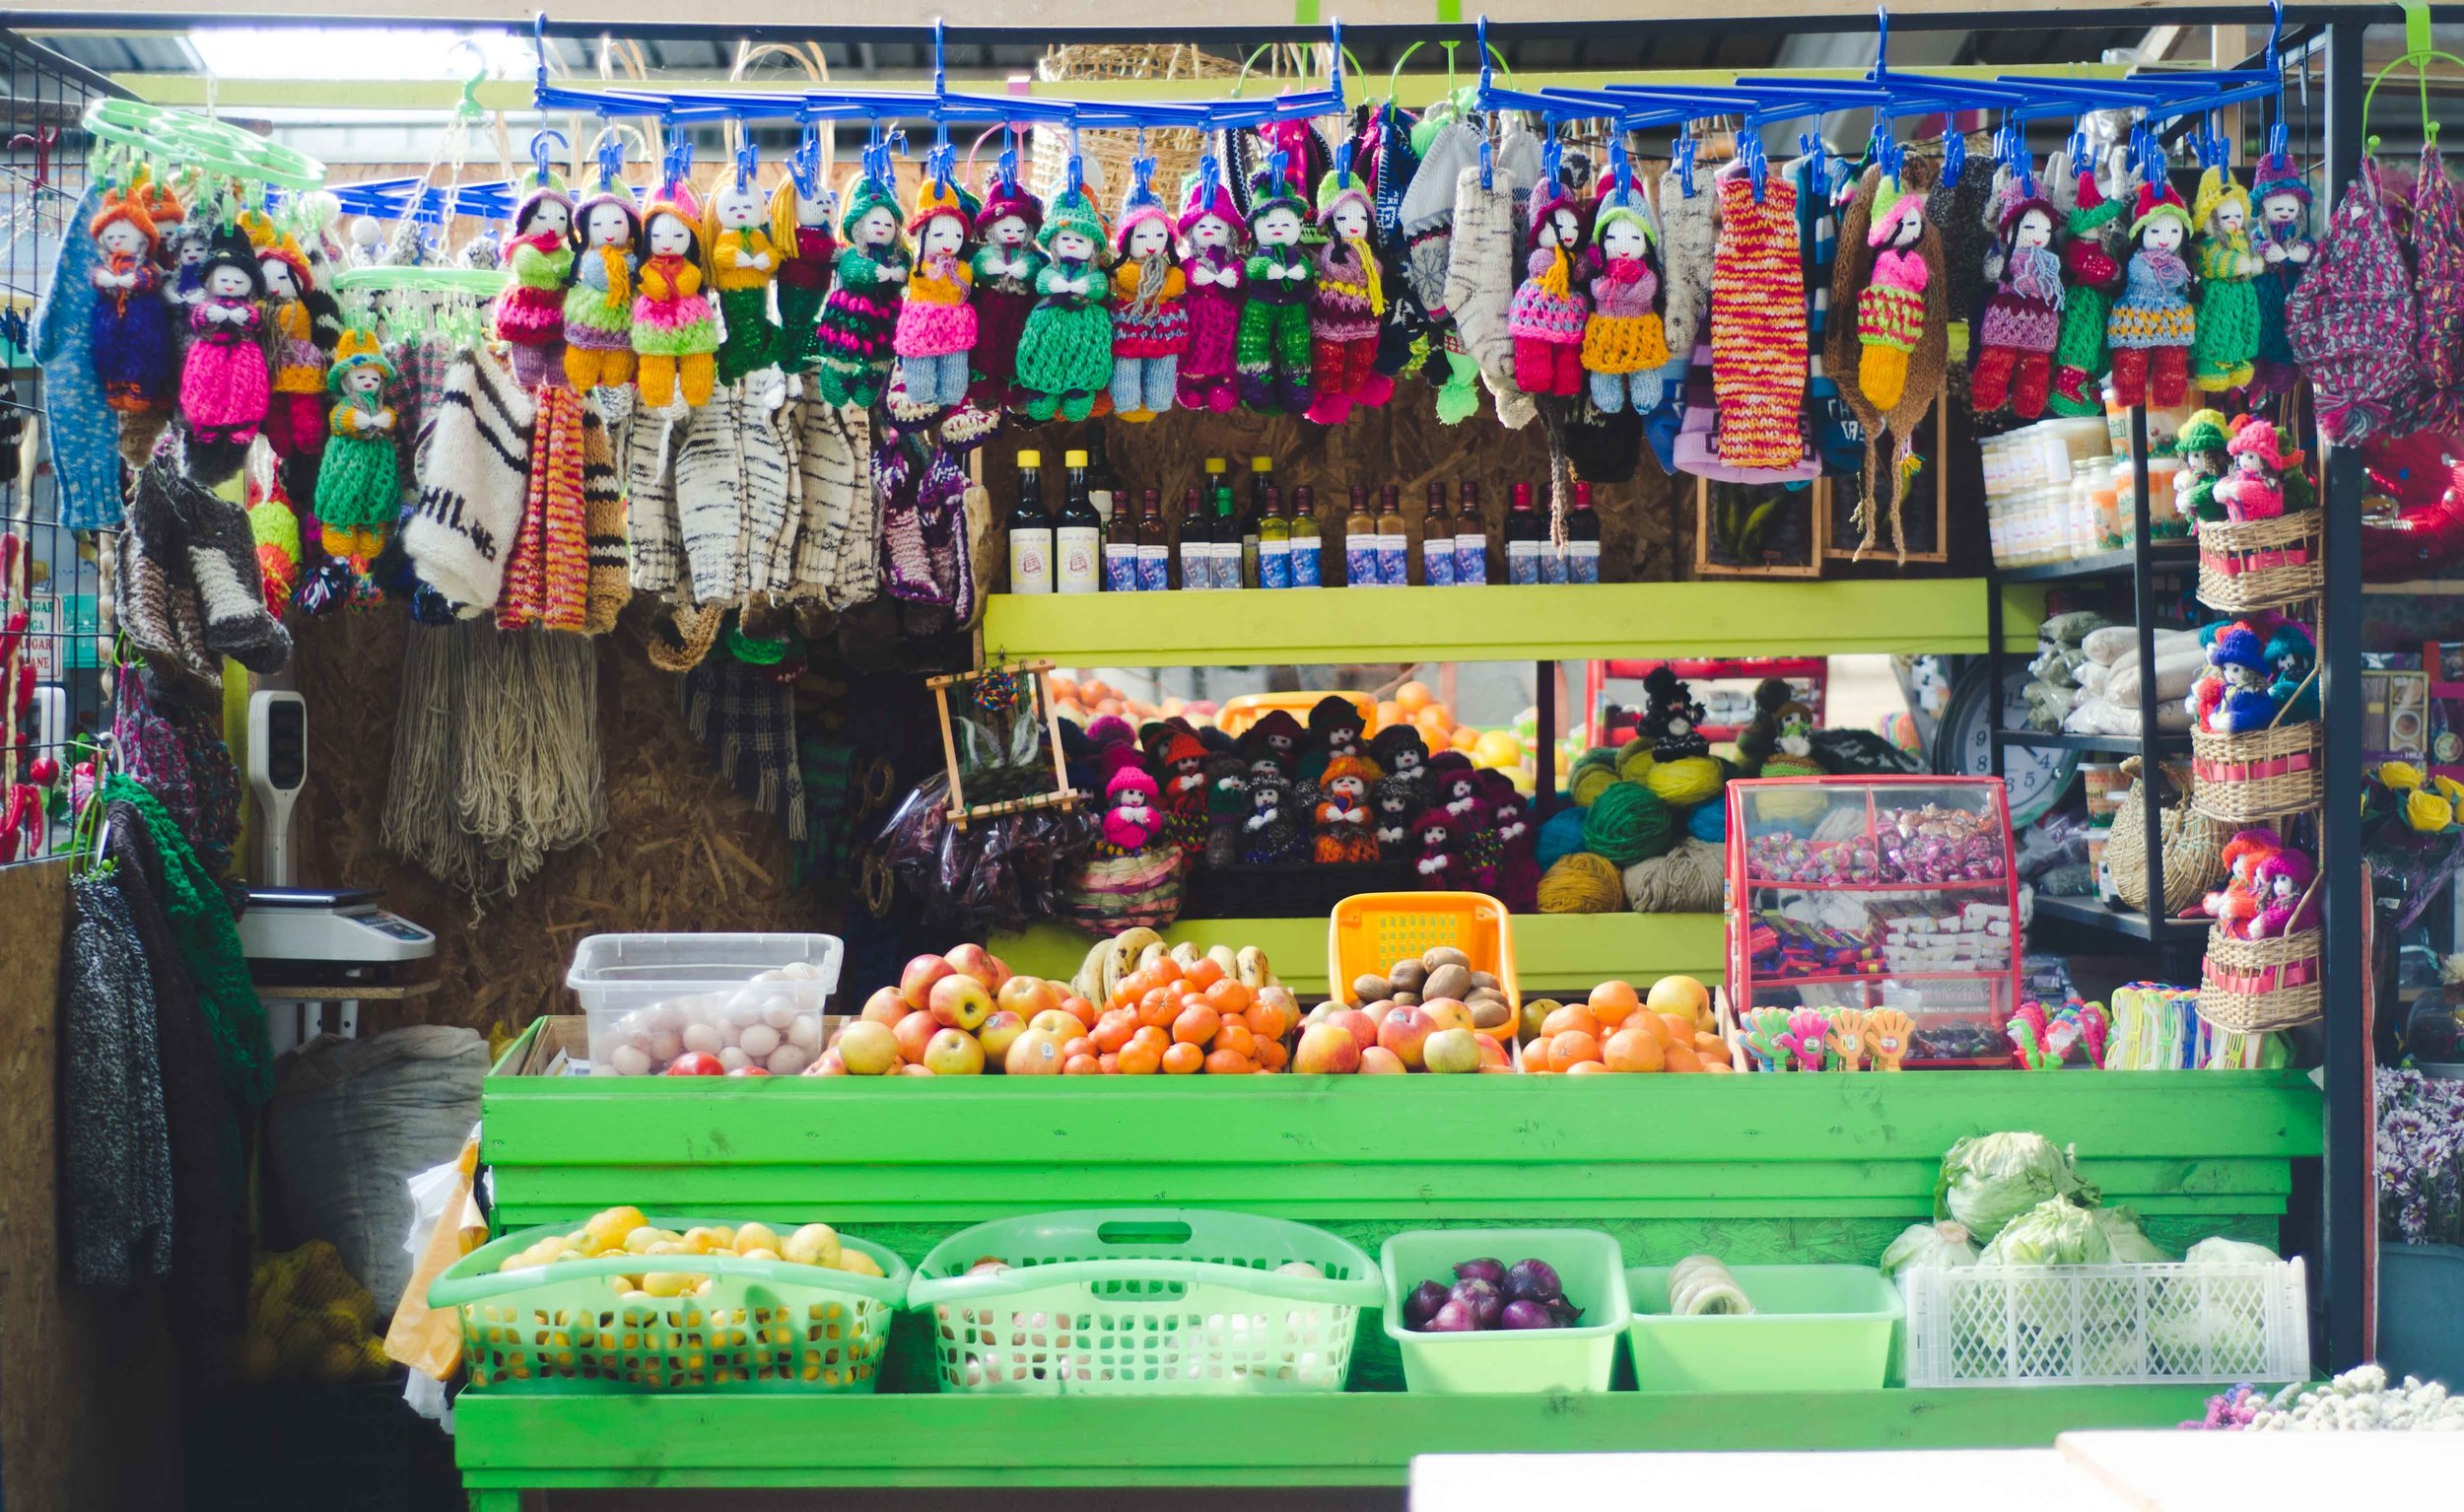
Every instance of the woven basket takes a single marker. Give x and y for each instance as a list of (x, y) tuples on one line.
[(2263, 774), (2264, 564), (2194, 843), (1105, 155), (1113, 893), (2255, 985)]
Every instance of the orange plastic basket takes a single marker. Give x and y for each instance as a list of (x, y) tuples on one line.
[(1239, 713), (1372, 931)]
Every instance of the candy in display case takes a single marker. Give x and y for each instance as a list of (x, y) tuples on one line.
[(1872, 922)]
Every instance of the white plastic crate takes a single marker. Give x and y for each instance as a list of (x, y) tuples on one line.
[(2114, 1324)]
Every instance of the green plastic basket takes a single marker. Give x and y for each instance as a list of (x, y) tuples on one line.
[(1814, 1327), (764, 1326), (1143, 1301), (1579, 1358)]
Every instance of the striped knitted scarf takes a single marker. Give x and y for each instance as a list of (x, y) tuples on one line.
[(473, 473), (546, 578)]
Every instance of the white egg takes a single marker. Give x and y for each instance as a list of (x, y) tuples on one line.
[(1298, 1268), (667, 1017), (630, 1061), (733, 1058), (704, 1038), (781, 1012), (806, 1030), (665, 1046), (758, 1040), (790, 1060)]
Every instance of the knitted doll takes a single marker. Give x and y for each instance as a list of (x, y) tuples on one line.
[(2022, 315), (675, 333), (1150, 321), (1271, 836), (2293, 655), (1396, 802), (743, 264), (132, 326), (2254, 490), (2152, 327), (1333, 732), (359, 487), (1758, 324), (1455, 785), (1441, 866), (224, 385), (1625, 341), (1277, 738), (598, 308), (861, 314), (1346, 832), (2201, 443), (1517, 884), (802, 230), (1547, 315), (2282, 885), (1005, 264), (2236, 905), (294, 417), (2090, 273), (1794, 754), (1891, 309), (1132, 820), (1890, 264), (2285, 254), (1064, 353), (1227, 805), (936, 325), (530, 313), (2231, 697), (1181, 762), (1402, 755), (1274, 357), (2227, 343), (1346, 304), (1211, 260)]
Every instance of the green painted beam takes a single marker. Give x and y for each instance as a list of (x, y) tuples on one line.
[(1501, 623)]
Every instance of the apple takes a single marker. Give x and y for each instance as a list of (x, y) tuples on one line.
[(750, 1071), (886, 1006), (1681, 994), (953, 1052), (1327, 1048), (997, 1033), (915, 1032), (960, 1002), (1451, 1051), (914, 984), (915, 1070), (1448, 1014), (866, 1047), (695, 1062), (1362, 1028), (1535, 1011), (830, 1064), (1059, 1022), (1036, 1053), (1378, 1061), (983, 965), (1027, 997), (1405, 1031)]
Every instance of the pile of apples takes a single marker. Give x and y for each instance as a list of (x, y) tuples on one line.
[(1673, 1028), (960, 1014)]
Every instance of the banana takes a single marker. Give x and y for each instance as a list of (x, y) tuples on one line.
[(1124, 951), (1150, 955), (1222, 956), (1187, 956), (1252, 966)]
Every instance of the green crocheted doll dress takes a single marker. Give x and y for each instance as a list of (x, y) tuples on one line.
[(2090, 271), (2222, 357), (1064, 353)]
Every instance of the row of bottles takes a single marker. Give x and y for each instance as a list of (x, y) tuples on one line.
[(1277, 541)]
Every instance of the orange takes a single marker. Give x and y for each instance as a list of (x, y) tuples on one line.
[(1080, 1009), (1570, 1049), (1413, 697), (1196, 1025), (1229, 996), (1207, 973), (1433, 728), (1581, 1067), (1612, 1000), (1634, 1048), (1139, 1060), (1229, 1062), (1166, 970), (1081, 1066), (1183, 1058), (1710, 1047), (1717, 1066), (1134, 985), (1464, 738), (1158, 1005), (1572, 1017), (1389, 711), (1080, 1046), (1111, 1064), (1154, 1036), (1234, 1036), (1271, 1056), (1681, 1057), (1680, 1028), (1114, 1029)]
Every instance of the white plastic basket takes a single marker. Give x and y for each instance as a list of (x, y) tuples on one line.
[(2114, 1324)]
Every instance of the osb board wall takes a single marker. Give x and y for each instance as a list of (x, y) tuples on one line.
[(86, 1415)]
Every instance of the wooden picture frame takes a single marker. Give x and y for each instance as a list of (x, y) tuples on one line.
[(1808, 498), (1839, 533), (1031, 674)]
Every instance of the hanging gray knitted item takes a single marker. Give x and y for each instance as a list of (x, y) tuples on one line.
[(116, 1161), (1688, 236), (156, 593), (838, 537), (1481, 284), (1427, 226)]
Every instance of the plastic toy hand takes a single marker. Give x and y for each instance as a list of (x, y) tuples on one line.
[(1890, 1030), (1766, 1037), (1806, 1031), (1848, 1038), (2095, 1026)]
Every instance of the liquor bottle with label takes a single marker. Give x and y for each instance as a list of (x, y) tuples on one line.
[(1394, 540), (1154, 547), (1523, 538), (1102, 485), (1197, 543), (1227, 540), (1582, 538), (1275, 543), (1308, 567), (1361, 542), (1077, 535), (1437, 541), (1261, 478), (1470, 537), (1120, 549), (1029, 531)]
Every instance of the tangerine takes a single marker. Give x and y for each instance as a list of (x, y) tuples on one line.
[(1140, 1059), (1413, 697), (1229, 1062), (1183, 1058), (1611, 1002), (1634, 1048), (1572, 1017), (1196, 1025), (1570, 1049), (1082, 1065), (1681, 1057)]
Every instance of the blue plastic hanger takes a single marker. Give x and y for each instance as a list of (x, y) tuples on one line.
[(748, 161)]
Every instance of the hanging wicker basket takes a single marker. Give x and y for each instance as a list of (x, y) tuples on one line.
[(1113, 893), (1105, 155), (2257, 986), (2263, 564), (2250, 775), (2194, 843)]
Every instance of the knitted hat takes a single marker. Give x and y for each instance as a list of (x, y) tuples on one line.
[(1331, 192), (2247, 848), (2204, 430), (1131, 778), (1180, 746), (538, 190), (866, 194), (1616, 209), (2160, 199), (1348, 766), (160, 203), (2239, 646), (2276, 174), (1004, 199), (597, 197), (1136, 211), (1196, 203), (287, 252), (2255, 437), (1070, 212), (2017, 210), (355, 350), (2216, 188), (1547, 200), (1893, 204), (130, 208), (1267, 191), (676, 199), (933, 197), (230, 249)]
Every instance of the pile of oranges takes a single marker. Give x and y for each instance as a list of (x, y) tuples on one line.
[(1617, 1030), (1181, 1020)]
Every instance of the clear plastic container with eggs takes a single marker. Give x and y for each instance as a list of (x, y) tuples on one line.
[(748, 1000)]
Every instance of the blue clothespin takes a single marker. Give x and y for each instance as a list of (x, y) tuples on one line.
[(748, 160), (611, 156), (806, 164), (1343, 164), (2079, 148), (1006, 167), (1620, 167), (1954, 155), (1141, 174), (1074, 180), (1757, 167), (1488, 171), (678, 163), (1552, 158), (1209, 179), (539, 154), (1685, 158)]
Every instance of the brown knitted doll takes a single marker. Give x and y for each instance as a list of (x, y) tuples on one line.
[(1346, 830), (1889, 360)]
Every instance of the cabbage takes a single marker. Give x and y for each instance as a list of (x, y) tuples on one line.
[(2203, 1328), (1928, 1247), (2221, 1251), (1987, 1180), (2054, 1232), (2130, 1243)]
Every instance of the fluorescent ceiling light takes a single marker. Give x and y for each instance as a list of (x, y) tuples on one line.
[(356, 52)]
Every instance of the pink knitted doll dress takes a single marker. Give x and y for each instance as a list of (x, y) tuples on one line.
[(1758, 326), (1547, 315), (1212, 274)]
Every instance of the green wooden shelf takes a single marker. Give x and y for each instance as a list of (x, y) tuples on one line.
[(1553, 952), (1500, 623)]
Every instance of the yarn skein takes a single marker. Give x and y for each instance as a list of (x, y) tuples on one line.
[(1562, 836), (1582, 883), (1686, 781), (1686, 880), (1627, 824), (1634, 760), (1589, 773)]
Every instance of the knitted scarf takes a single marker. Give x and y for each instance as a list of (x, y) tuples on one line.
[(473, 472), (1758, 326), (1688, 235), (82, 431), (603, 528), (747, 717), (546, 577), (115, 1162), (178, 753)]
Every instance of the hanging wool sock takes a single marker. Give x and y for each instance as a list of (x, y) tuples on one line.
[(231, 592), (801, 229), (1758, 326), (473, 473), (1546, 319), (2437, 247), (653, 535), (155, 599), (2023, 315), (225, 385), (1624, 339), (1427, 222), (598, 308), (1065, 352), (530, 313), (1212, 267), (1005, 264), (837, 540), (743, 264), (2153, 314), (675, 332), (80, 431), (2227, 343), (603, 528), (709, 514), (861, 314), (936, 325), (359, 483), (132, 349), (1688, 235), (1480, 283), (2090, 273), (766, 489), (547, 574)]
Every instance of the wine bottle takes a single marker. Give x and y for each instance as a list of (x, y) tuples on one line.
[(1154, 547), (1077, 535), (1198, 550), (1523, 538), (1394, 540), (1361, 542), (1120, 545), (1437, 541), (1275, 543), (1308, 566), (1470, 537), (1582, 538), (1029, 531)]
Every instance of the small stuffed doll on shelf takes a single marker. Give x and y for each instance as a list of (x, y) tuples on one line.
[(936, 325), (743, 264), (2201, 443), (1064, 354), (1181, 764), (1401, 754), (1683, 772), (295, 416), (2023, 315), (1396, 801), (1346, 825), (132, 325), (1132, 820), (862, 312), (2254, 489), (1210, 262), (2285, 254), (1274, 359), (1891, 308), (1455, 785), (1517, 865), (1440, 867), (224, 387), (1271, 836), (2236, 905), (1005, 264), (1150, 321), (2223, 354), (1346, 303), (359, 484), (675, 332), (1277, 738), (598, 308), (530, 313), (2293, 654), (1227, 807), (2152, 327), (1333, 731), (803, 216), (1624, 340), (2091, 274), (2281, 886), (2231, 697), (1546, 318)]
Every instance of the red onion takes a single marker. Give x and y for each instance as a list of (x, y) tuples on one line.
[(1523, 1314)]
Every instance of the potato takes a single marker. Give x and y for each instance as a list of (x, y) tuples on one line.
[(1369, 987), (1408, 975), (1448, 981), (1481, 978), (1406, 1000), (1444, 955), (1490, 1014)]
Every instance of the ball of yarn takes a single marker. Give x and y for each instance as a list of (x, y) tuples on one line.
[(1687, 880), (1591, 772), (1582, 883), (1560, 836), (1627, 823), (1709, 822), (1634, 759), (1686, 781)]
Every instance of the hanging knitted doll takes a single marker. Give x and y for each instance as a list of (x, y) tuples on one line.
[(1005, 264), (598, 308), (1211, 262), (1064, 354), (1547, 315), (224, 387), (1345, 825), (1346, 303), (132, 326), (2023, 313), (743, 264), (675, 333), (862, 312), (1151, 318), (2285, 254), (530, 313), (1273, 357), (2091, 274), (1890, 308), (2228, 344), (294, 417), (1517, 865), (1625, 341), (802, 220), (358, 489), (2152, 326), (936, 325)]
